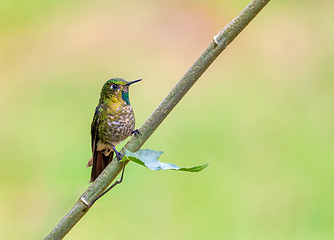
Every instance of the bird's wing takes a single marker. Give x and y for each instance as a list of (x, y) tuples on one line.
[(95, 140), (94, 128), (100, 161)]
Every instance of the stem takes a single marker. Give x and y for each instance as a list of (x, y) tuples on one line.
[(219, 43)]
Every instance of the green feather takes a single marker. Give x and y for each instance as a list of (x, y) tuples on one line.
[(125, 97)]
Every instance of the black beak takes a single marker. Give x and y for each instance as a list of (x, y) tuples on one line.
[(129, 83)]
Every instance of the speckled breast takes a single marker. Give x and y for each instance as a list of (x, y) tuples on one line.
[(118, 126)]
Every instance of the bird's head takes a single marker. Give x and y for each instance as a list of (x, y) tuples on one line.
[(116, 90)]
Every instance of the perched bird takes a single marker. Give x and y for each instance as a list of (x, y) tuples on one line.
[(113, 122)]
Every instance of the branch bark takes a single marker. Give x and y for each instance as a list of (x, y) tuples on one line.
[(219, 43)]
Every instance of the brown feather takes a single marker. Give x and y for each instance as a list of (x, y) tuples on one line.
[(100, 162)]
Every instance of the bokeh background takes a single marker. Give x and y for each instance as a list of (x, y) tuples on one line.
[(262, 116)]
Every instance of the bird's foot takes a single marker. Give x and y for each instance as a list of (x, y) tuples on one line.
[(136, 132), (118, 155)]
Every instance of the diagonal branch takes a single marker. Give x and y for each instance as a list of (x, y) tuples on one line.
[(219, 43)]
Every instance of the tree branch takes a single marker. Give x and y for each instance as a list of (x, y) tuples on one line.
[(219, 43)]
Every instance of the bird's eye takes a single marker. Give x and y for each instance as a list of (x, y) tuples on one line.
[(115, 86)]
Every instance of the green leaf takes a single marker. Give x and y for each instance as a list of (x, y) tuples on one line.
[(149, 159)]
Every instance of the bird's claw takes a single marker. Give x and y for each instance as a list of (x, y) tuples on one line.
[(119, 155), (136, 132)]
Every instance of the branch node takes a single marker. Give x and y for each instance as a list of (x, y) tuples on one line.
[(217, 38), (82, 199)]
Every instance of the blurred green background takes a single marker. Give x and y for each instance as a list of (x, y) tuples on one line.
[(262, 116)]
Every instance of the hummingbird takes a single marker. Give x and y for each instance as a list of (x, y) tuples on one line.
[(113, 122)]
